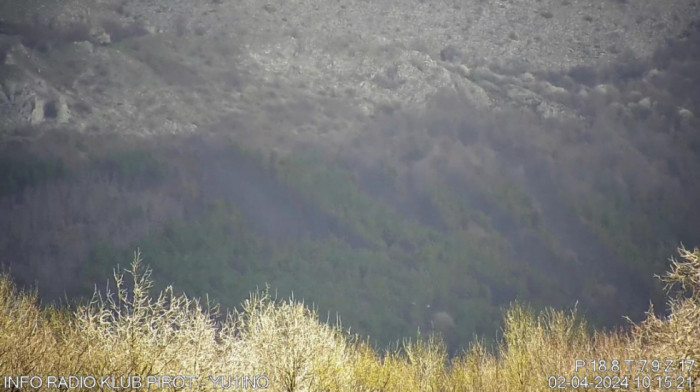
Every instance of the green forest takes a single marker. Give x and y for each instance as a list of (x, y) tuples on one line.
[(388, 257)]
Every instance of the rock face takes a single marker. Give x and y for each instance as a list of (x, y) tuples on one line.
[(29, 98), (180, 66), (443, 321)]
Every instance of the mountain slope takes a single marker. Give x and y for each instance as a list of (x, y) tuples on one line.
[(407, 167)]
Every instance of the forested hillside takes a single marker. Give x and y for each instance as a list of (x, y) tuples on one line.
[(399, 187)]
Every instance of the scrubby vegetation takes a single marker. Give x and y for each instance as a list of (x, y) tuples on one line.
[(129, 332), (574, 187), (16, 174), (393, 246)]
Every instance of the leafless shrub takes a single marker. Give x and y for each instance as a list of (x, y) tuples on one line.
[(676, 336), (131, 332)]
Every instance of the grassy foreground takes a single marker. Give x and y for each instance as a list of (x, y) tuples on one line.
[(130, 333)]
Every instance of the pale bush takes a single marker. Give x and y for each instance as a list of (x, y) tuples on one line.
[(286, 342), (25, 338), (128, 332), (176, 335), (427, 358), (529, 337), (677, 336), (140, 335)]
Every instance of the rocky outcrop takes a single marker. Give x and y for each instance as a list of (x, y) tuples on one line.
[(28, 98), (179, 66)]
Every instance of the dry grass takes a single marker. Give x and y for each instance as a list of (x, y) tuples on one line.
[(129, 332)]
